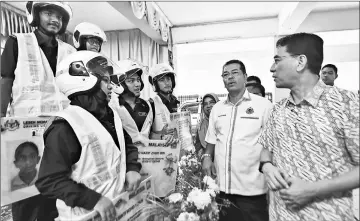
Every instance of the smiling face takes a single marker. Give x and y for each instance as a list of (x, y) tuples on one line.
[(27, 159), (51, 21), (234, 79), (93, 44)]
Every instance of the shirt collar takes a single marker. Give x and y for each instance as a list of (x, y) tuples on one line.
[(246, 97), (42, 39), (313, 97)]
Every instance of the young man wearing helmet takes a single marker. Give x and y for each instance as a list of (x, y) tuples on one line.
[(88, 36), (140, 111), (95, 157), (29, 62), (162, 78)]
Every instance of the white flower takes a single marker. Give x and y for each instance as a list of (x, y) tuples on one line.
[(211, 192), (175, 197), (190, 148), (199, 198), (211, 183), (188, 217)]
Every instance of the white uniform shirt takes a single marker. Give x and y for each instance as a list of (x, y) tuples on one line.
[(235, 129)]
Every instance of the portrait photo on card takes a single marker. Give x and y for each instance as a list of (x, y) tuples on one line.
[(23, 161)]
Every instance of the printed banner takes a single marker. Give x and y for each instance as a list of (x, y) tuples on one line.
[(181, 123), (22, 147), (160, 162), (129, 205)]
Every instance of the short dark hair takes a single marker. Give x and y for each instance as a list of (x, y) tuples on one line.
[(21, 147), (259, 86), (254, 78), (310, 45), (234, 61), (331, 66)]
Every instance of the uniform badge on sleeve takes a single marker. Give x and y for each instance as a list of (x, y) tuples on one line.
[(250, 110)]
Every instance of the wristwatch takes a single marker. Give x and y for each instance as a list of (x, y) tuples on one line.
[(262, 163)]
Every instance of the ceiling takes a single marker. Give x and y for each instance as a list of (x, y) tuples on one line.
[(189, 13), (261, 18), (93, 12)]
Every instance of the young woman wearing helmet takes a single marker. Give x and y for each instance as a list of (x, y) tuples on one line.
[(29, 62), (87, 134), (162, 79), (88, 36)]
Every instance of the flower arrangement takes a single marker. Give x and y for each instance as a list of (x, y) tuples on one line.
[(195, 196)]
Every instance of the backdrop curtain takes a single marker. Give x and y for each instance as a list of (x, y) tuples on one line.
[(136, 45)]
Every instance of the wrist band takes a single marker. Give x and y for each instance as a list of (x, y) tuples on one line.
[(205, 155)]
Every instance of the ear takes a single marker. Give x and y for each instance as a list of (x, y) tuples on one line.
[(336, 75), (302, 63)]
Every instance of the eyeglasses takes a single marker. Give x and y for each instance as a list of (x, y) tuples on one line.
[(277, 59), (232, 74), (93, 41)]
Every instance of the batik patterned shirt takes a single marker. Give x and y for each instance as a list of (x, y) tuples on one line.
[(314, 140)]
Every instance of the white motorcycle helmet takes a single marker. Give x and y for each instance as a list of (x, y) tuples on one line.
[(33, 9), (158, 71), (130, 67), (79, 72), (84, 30)]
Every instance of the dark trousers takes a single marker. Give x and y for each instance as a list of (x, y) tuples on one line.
[(244, 208), (34, 208)]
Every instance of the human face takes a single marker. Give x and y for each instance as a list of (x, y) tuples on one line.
[(165, 84), (134, 84), (234, 79), (27, 160), (254, 90), (284, 69), (50, 21), (208, 104), (93, 44), (106, 86), (328, 76)]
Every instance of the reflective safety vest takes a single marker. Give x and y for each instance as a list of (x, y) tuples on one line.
[(34, 91), (102, 166), (162, 118), (129, 123)]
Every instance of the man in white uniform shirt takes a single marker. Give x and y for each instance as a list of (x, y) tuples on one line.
[(234, 128)]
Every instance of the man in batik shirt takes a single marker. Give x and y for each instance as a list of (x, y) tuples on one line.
[(310, 155)]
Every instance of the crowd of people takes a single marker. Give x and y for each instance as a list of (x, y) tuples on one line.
[(295, 160)]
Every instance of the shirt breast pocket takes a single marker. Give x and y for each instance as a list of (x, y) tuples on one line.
[(249, 125)]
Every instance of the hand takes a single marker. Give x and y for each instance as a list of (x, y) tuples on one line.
[(132, 180), (275, 177), (298, 194), (208, 167), (170, 139), (106, 209)]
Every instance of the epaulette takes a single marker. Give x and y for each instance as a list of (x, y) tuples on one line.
[(51, 121)]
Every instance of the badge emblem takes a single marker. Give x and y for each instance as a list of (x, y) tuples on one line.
[(11, 125), (250, 110)]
